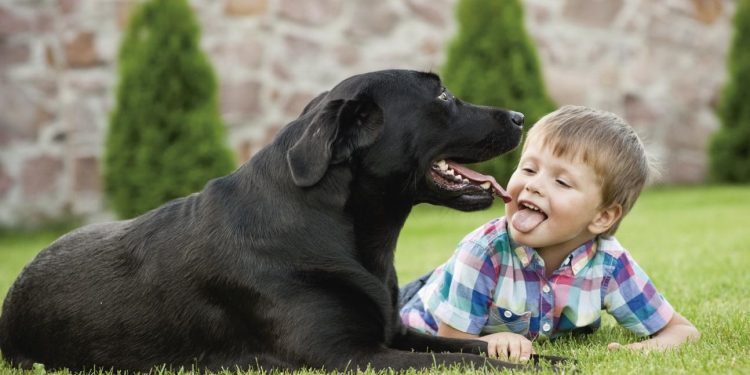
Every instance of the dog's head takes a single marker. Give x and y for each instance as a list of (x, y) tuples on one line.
[(403, 135)]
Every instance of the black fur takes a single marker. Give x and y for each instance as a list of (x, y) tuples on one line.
[(286, 263)]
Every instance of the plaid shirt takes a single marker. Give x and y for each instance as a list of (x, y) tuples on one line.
[(491, 285)]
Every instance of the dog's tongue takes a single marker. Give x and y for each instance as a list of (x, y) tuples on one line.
[(480, 178), (526, 220)]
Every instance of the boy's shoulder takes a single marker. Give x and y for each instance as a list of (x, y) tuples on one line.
[(610, 246), (611, 252)]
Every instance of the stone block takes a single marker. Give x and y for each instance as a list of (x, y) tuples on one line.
[(12, 23), (13, 53), (372, 19), (708, 11), (311, 12), (80, 52), (6, 182), (594, 13), (567, 86), (435, 12), (40, 176), (245, 8), (68, 6), (240, 99), (86, 177), (19, 114), (347, 55)]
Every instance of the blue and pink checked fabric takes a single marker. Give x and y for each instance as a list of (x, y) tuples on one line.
[(491, 285)]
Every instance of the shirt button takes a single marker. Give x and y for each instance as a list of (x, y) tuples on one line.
[(546, 327), (507, 314), (545, 288)]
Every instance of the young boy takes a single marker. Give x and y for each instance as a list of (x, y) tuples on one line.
[(552, 264)]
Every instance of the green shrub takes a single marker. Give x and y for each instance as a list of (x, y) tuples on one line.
[(492, 61), (166, 138), (729, 151)]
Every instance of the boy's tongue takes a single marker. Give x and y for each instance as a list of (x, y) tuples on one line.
[(526, 220)]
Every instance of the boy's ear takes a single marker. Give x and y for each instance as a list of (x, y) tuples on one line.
[(605, 219)]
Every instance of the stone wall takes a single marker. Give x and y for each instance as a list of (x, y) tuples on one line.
[(659, 64)]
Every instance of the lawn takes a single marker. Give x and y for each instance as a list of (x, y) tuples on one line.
[(692, 242)]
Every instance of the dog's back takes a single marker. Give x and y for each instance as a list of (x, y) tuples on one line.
[(179, 285)]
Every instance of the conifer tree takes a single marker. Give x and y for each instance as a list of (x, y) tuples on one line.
[(165, 138), (492, 61), (729, 151)]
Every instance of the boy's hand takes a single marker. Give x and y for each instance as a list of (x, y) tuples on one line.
[(507, 345), (677, 331)]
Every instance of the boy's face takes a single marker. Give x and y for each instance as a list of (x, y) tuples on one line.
[(555, 202)]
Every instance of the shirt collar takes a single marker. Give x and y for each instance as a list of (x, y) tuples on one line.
[(524, 253), (580, 257)]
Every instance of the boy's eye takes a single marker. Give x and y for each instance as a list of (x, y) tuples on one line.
[(563, 183), (528, 170)]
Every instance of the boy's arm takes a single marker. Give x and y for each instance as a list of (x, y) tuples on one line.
[(678, 331)]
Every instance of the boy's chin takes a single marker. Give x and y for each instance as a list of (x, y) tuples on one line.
[(531, 238), (519, 237)]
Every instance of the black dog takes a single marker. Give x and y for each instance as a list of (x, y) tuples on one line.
[(286, 263)]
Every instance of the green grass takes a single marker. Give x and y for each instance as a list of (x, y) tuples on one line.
[(693, 242)]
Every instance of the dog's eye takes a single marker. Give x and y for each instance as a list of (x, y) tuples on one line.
[(444, 96)]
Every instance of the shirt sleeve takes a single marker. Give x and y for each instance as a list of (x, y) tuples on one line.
[(461, 292), (633, 300)]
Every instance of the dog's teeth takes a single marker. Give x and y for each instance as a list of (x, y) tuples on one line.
[(450, 172), (486, 185), (442, 165), (465, 180)]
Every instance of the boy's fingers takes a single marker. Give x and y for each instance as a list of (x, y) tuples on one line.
[(635, 346), (502, 349), (526, 351), (514, 350), (492, 349)]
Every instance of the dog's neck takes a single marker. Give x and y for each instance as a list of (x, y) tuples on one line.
[(377, 225)]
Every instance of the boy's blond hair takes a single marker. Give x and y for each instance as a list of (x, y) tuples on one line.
[(603, 141)]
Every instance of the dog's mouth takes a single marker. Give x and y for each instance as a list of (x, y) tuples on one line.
[(453, 177)]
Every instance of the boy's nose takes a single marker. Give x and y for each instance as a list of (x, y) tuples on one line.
[(532, 186)]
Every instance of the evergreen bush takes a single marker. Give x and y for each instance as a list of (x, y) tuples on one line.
[(166, 138), (492, 61), (729, 151)]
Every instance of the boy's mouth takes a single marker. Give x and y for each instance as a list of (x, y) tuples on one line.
[(528, 217)]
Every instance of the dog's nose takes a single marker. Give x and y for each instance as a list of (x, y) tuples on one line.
[(517, 118)]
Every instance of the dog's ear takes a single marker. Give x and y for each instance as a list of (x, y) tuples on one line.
[(360, 124), (338, 129)]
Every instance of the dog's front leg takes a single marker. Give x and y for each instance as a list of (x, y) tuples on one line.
[(410, 339)]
